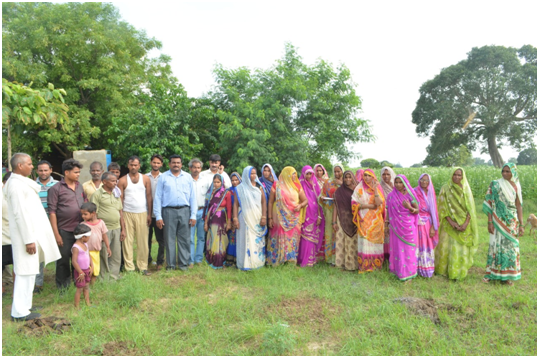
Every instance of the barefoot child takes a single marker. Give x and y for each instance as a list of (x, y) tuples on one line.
[(99, 234), (82, 263)]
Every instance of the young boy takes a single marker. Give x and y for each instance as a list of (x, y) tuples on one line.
[(99, 234)]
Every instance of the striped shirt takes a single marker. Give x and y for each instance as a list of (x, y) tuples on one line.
[(45, 191)]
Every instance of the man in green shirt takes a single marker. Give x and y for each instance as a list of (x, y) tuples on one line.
[(109, 209)]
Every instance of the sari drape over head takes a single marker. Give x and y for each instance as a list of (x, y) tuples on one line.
[(503, 258), (403, 232), (231, 249), (326, 200), (343, 205), (250, 245), (428, 217), (455, 250), (284, 236), (312, 235), (346, 236), (267, 184), (217, 214), (385, 186), (370, 224), (320, 181)]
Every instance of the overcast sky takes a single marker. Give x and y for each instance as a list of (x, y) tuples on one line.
[(391, 48)]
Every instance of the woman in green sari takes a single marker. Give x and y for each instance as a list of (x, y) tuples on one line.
[(458, 231), (503, 205)]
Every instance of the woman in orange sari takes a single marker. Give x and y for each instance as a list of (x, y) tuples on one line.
[(368, 205), (286, 202)]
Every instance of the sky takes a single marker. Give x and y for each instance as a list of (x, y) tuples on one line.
[(390, 47)]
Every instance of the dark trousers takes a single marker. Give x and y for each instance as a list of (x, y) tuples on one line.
[(64, 267), (178, 236), (160, 241)]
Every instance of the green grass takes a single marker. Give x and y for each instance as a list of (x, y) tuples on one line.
[(291, 311)]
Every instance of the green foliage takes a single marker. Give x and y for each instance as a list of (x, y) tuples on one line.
[(290, 114), (417, 165), (528, 157), (479, 161), (385, 163), (35, 119), (460, 156), (370, 163), (161, 123), (489, 97), (84, 48)]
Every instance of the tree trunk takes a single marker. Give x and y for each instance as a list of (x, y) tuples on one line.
[(495, 155), (9, 145)]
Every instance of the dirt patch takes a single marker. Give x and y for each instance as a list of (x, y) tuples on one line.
[(121, 348), (178, 280), (306, 311), (46, 325), (420, 306), (518, 305)]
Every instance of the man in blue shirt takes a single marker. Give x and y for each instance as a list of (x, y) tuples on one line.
[(175, 210)]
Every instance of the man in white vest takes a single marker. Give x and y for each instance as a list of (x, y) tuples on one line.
[(31, 233), (137, 208)]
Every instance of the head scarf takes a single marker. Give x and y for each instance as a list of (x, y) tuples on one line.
[(506, 186), (359, 175), (310, 184), (455, 202), (250, 201), (267, 184), (342, 170), (324, 176), (429, 199), (237, 175), (369, 188), (343, 200), (287, 198), (214, 199), (386, 187)]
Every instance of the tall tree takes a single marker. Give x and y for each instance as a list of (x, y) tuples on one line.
[(289, 114), (486, 100), (84, 48)]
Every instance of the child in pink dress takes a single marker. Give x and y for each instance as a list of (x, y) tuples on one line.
[(82, 263)]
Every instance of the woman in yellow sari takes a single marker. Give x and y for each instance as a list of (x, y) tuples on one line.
[(286, 202), (368, 206), (458, 239)]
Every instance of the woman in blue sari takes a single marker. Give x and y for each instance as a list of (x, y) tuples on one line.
[(250, 222), (235, 178)]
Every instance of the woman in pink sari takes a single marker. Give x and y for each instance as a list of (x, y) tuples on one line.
[(359, 175), (403, 213), (287, 199), (321, 175), (312, 230), (427, 226)]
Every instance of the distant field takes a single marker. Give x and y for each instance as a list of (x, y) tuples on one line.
[(291, 311), (479, 178)]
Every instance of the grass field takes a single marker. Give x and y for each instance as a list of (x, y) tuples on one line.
[(291, 311)]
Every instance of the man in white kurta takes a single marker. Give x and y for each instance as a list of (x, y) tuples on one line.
[(32, 238)]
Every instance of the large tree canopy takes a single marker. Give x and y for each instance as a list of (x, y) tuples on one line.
[(290, 114), (83, 48), (486, 100)]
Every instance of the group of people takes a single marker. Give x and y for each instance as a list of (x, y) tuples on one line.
[(352, 221)]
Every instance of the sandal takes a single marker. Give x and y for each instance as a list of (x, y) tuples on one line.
[(509, 283), (486, 280)]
